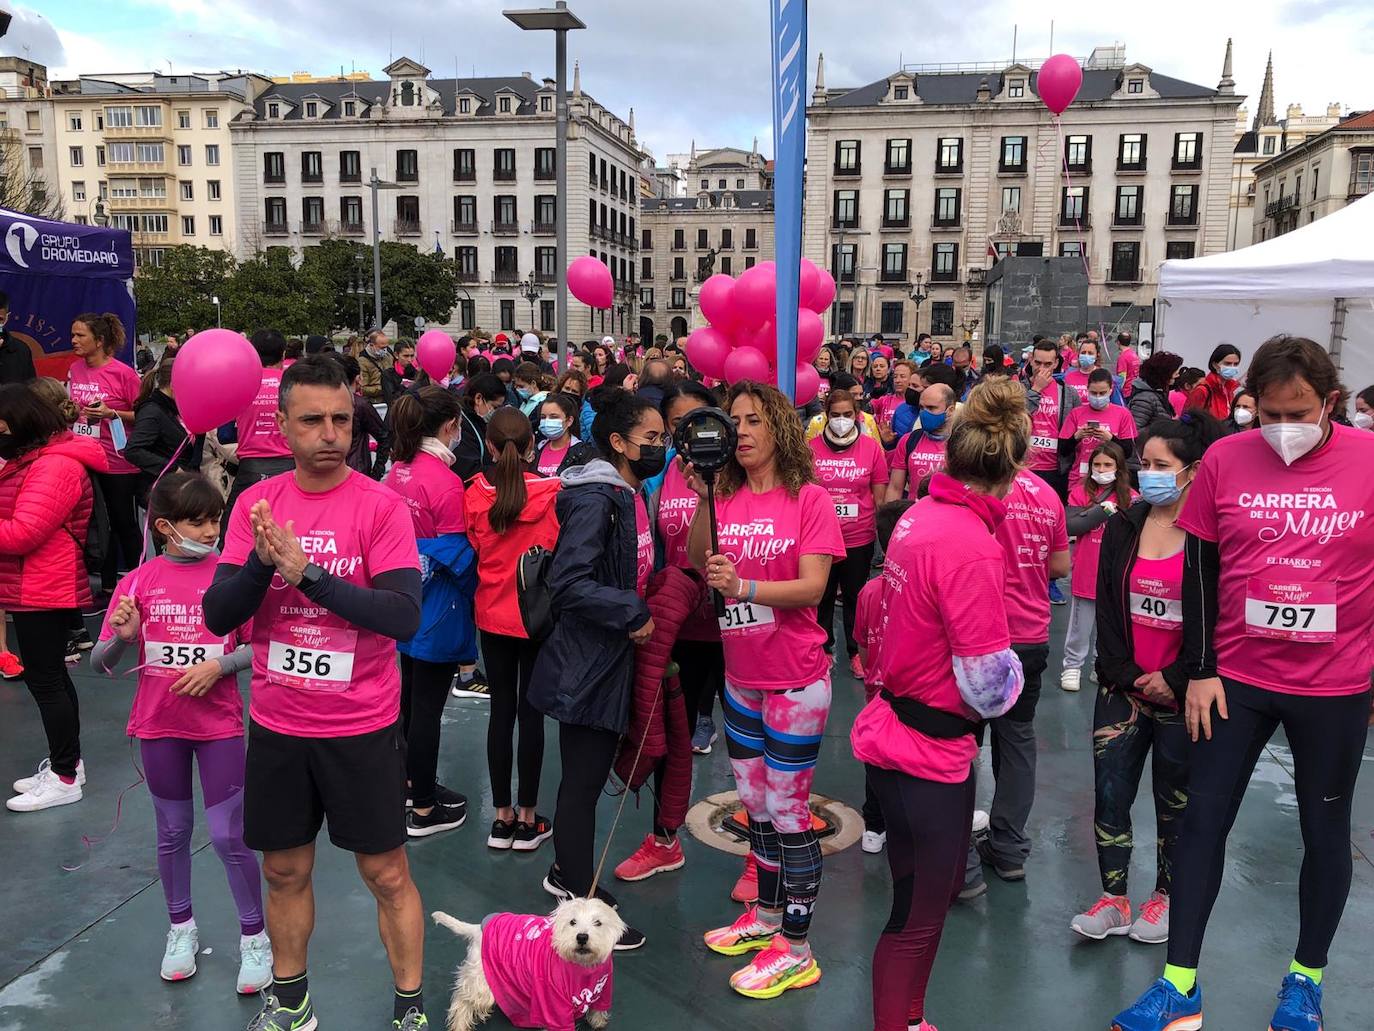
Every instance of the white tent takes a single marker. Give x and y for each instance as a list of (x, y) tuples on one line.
[(1317, 281)]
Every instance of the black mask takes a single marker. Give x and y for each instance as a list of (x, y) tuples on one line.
[(913, 397), (9, 446), (652, 458)]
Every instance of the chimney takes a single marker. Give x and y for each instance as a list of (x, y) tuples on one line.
[(984, 92), (527, 75)]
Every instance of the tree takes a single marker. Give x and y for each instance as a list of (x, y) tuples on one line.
[(413, 283), (177, 293), (268, 290), (21, 187), (343, 265)]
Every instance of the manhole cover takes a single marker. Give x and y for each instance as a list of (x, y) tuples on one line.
[(712, 821)]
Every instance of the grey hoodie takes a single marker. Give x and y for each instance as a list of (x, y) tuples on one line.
[(598, 470)]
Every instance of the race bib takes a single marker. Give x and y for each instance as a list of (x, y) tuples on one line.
[(1082, 468), (847, 511), (1161, 613), (312, 658), (744, 617), (87, 429), (1044, 443), (171, 658), (1304, 612)]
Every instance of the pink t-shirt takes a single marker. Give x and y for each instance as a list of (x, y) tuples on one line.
[(765, 536), (355, 531), (644, 540), (1156, 608), (1083, 583), (1078, 380), (172, 636), (850, 476), (1297, 560), (1179, 400), (116, 385), (884, 406), (532, 984), (1114, 419), (868, 621), (1035, 529), (432, 492), (258, 434), (550, 458), (928, 456), (1128, 368), (677, 503), (937, 601), (1044, 452)]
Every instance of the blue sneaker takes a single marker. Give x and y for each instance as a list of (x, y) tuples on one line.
[(1162, 1008), (1300, 1005), (1056, 595)]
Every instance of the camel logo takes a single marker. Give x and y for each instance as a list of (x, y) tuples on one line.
[(20, 237)]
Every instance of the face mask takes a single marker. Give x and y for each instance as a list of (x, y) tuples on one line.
[(1230, 372), (1086, 361), (524, 393), (1292, 440), (913, 397), (1159, 488), (932, 422), (1026, 354), (1244, 417), (551, 428), (486, 416), (1099, 401), (189, 548), (652, 458), (1362, 420), (9, 446), (1102, 479), (842, 425)]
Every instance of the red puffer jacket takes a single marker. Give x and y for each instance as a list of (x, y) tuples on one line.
[(45, 506)]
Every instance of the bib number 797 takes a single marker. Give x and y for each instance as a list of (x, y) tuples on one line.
[(1290, 617)]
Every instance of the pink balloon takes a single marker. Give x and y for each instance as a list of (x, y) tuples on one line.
[(589, 280), (822, 295), (756, 294), (215, 377), (808, 280), (810, 335), (747, 363), (765, 339), (718, 300), (434, 352), (808, 382), (707, 349), (1059, 81)]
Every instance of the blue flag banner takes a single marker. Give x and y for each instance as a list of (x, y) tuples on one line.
[(54, 271), (788, 22)]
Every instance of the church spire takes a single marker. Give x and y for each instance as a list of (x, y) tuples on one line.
[(1264, 114), (577, 80), (1227, 84)]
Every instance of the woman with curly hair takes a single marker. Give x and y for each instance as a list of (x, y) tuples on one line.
[(778, 535)]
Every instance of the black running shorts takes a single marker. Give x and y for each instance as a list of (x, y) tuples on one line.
[(292, 784)]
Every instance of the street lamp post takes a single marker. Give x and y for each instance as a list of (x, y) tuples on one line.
[(377, 184), (560, 21), (215, 301), (99, 216), (358, 280), (918, 295), (531, 291)]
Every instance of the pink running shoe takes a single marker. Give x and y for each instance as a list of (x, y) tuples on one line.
[(746, 934), (746, 889), (856, 667), (651, 858), (774, 971)]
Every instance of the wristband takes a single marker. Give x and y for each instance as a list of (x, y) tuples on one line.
[(753, 589)]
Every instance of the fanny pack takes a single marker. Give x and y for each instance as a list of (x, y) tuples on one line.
[(929, 720)]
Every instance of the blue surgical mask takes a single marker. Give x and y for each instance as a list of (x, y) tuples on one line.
[(551, 428), (1086, 361), (932, 422), (1230, 372), (525, 393), (1099, 401), (190, 548), (1159, 488)]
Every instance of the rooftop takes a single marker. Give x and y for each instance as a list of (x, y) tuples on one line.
[(744, 200), (376, 92)]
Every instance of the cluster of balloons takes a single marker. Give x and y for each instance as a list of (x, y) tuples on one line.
[(742, 340)]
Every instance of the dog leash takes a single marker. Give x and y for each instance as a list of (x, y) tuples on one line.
[(624, 795)]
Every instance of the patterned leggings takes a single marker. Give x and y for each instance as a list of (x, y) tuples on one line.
[(774, 739), (1125, 731)]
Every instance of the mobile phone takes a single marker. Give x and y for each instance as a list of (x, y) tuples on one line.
[(1093, 424)]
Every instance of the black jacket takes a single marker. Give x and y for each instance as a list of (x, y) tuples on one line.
[(367, 424), (577, 454), (470, 454), (1148, 405), (16, 360), (585, 670), (156, 435), (1116, 665)]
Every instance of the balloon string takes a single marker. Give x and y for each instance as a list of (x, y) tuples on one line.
[(148, 515), (89, 842), (1079, 211)]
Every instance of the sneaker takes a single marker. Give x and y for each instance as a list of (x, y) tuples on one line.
[(502, 834), (630, 939), (873, 842), (255, 963), (973, 889), (529, 836), (1162, 1008), (440, 818), (1001, 868), (1152, 925), (276, 1017), (179, 960), (477, 687), (1300, 1005), (10, 668), (1111, 914), (856, 667), (414, 1020), (1057, 597), (1070, 679), (48, 790), (442, 796), (746, 934), (704, 736), (99, 603), (650, 858), (981, 821), (558, 888), (80, 640), (774, 971), (24, 784), (746, 889)]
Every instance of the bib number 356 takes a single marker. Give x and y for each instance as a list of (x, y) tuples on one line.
[(309, 669)]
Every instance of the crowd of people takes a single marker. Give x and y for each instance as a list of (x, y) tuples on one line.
[(363, 541)]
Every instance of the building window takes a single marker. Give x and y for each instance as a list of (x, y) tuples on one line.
[(749, 262), (115, 118), (679, 239), (351, 213), (942, 318), (1078, 153), (276, 213), (890, 320), (546, 310), (646, 240), (679, 297), (503, 165), (1361, 174), (895, 208), (503, 104), (120, 154), (312, 166), (1176, 250), (1073, 206), (216, 225), (739, 184), (1316, 174), (211, 118), (211, 153), (188, 190), (1187, 150), (751, 239), (350, 166), (183, 153), (183, 119), (465, 105), (545, 210), (466, 257), (545, 164), (646, 297), (1017, 89), (705, 184), (646, 267), (1125, 261), (1269, 145), (312, 214), (74, 121), (846, 209), (945, 266), (1128, 205), (844, 317), (464, 166), (546, 263), (350, 108), (720, 184), (702, 240), (504, 209), (898, 158), (407, 166), (894, 262), (842, 260), (188, 225), (1013, 154), (150, 153), (1183, 204), (1011, 198), (274, 167), (947, 206), (545, 107), (1135, 85), (507, 264), (408, 213), (77, 156), (507, 314), (900, 92), (273, 111), (1130, 153), (465, 212), (847, 157), (467, 313), (679, 269), (212, 188), (1070, 249), (726, 265), (78, 189), (949, 155)]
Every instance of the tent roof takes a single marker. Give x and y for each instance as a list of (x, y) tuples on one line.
[(1325, 259)]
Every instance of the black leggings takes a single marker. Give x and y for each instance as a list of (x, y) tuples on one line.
[(701, 671), (586, 754), (424, 690), (510, 661), (1326, 736), (126, 537), (42, 641), (928, 825), (848, 576)]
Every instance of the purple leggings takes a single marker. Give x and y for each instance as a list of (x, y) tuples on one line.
[(167, 766)]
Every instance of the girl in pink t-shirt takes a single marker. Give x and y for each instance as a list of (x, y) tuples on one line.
[(1093, 423), (187, 710), (558, 447), (778, 536)]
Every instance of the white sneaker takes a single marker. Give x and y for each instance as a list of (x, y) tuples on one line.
[(255, 963), (47, 791), (980, 822), (179, 961), (24, 784), (1070, 678), (873, 841)]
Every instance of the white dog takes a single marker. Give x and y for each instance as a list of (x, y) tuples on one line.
[(542, 971)]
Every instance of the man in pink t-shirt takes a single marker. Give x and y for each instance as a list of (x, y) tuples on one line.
[(261, 451), (323, 561), (1049, 404)]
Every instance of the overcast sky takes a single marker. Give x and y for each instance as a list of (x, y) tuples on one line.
[(700, 70)]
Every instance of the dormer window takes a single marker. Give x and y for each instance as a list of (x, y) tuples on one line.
[(545, 104), (504, 105), (350, 108), (900, 92), (1017, 89), (273, 110), (464, 106), (1135, 85), (407, 94), (312, 109)]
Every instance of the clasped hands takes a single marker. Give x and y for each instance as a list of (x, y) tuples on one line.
[(277, 545)]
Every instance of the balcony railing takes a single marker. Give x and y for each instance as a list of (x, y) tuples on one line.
[(273, 179), (463, 228), (545, 175), (504, 175), (940, 276), (1130, 166), (275, 229), (1278, 207), (348, 228), (844, 223), (545, 228), (406, 227), (677, 306), (646, 305), (897, 223), (1183, 219), (896, 170), (409, 175), (465, 175), (952, 169), (1120, 221), (893, 276), (505, 228), (850, 172), (312, 177), (468, 275), (315, 228), (1193, 164), (946, 223), (504, 276), (348, 176), (1012, 168), (677, 246), (1067, 220), (546, 278)]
